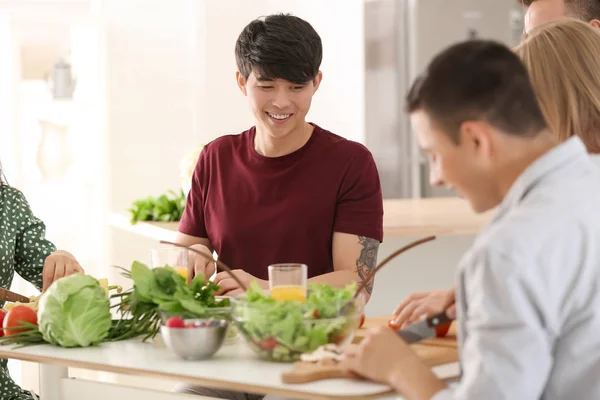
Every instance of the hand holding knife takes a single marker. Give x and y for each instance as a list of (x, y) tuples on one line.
[(7, 295), (425, 329)]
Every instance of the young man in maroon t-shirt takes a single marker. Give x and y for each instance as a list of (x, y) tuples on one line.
[(285, 190)]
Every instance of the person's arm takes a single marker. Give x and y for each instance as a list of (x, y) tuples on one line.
[(358, 225), (192, 229), (353, 258), (507, 352), (190, 241), (383, 357)]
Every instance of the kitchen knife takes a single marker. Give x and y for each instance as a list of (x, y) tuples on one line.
[(424, 329), (7, 295)]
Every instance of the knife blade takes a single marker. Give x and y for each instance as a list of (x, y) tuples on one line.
[(423, 330), (7, 295)]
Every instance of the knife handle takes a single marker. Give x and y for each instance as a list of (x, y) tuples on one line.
[(438, 319)]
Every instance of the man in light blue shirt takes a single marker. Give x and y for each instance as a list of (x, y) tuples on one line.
[(528, 298)]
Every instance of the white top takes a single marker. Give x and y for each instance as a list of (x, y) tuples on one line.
[(234, 367), (528, 291), (595, 158)]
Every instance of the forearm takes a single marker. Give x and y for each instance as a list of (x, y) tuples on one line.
[(415, 381), (336, 278)]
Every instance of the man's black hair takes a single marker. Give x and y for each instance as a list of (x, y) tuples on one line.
[(279, 46)]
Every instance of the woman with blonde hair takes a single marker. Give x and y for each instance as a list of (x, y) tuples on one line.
[(563, 60)]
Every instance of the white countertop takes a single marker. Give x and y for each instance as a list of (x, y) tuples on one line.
[(234, 367), (445, 216)]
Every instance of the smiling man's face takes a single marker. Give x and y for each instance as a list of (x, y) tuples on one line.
[(279, 106)]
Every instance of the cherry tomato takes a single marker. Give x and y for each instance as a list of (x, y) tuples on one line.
[(362, 321), (392, 324), (269, 343), (175, 322), (14, 317), (2, 314), (442, 330)]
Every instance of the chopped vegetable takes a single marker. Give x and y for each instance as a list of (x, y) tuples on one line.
[(33, 304), (442, 330), (393, 325)]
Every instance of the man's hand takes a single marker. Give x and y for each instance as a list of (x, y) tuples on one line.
[(421, 305), (383, 357), (58, 265), (229, 286), (200, 265)]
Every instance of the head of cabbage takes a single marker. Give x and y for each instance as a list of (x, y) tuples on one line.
[(74, 311)]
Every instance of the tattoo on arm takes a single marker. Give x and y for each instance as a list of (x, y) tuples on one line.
[(367, 259)]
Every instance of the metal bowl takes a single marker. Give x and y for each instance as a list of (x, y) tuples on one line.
[(197, 342)]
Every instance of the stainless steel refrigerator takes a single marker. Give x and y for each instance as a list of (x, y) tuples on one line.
[(401, 37)]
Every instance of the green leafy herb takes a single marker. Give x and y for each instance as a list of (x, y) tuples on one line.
[(163, 290), (165, 208)]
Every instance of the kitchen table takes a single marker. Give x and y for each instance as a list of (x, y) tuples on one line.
[(234, 367)]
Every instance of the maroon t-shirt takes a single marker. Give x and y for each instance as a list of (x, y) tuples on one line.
[(257, 211)]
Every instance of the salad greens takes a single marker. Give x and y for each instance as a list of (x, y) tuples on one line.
[(282, 330)]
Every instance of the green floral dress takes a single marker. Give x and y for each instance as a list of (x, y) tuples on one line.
[(23, 249)]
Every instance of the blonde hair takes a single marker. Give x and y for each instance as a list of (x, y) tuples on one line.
[(563, 61)]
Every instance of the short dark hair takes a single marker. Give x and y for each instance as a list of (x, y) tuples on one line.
[(279, 46), (477, 80), (586, 10)]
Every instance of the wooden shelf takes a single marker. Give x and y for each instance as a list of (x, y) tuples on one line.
[(151, 230)]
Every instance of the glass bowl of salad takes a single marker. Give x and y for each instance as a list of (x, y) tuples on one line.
[(282, 330)]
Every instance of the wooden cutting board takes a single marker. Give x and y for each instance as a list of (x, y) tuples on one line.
[(433, 352)]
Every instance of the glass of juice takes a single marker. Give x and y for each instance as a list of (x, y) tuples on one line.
[(174, 257), (288, 281)]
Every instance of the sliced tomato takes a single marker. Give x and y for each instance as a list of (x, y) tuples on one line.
[(2, 315), (14, 317), (442, 330), (392, 324), (269, 343), (362, 321)]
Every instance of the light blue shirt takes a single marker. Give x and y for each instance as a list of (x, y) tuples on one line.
[(528, 290)]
